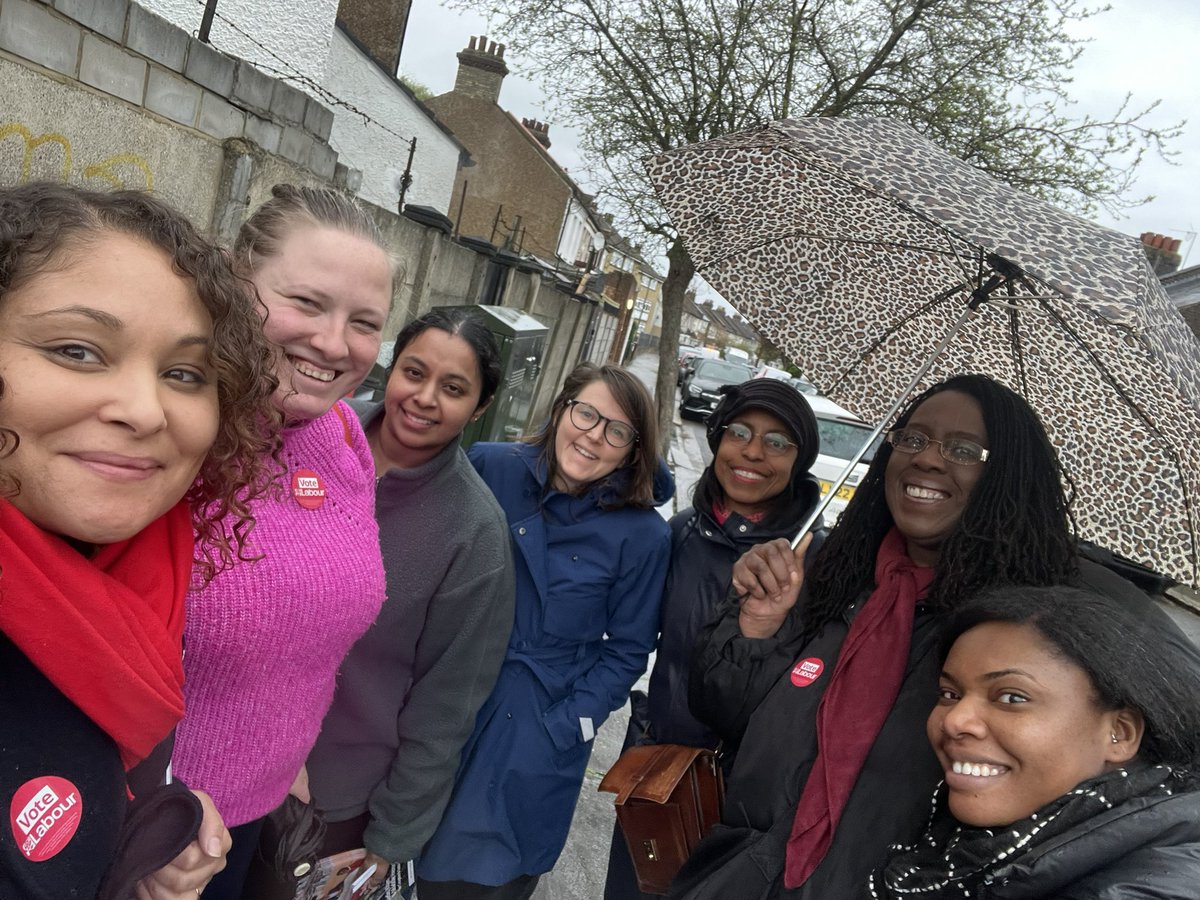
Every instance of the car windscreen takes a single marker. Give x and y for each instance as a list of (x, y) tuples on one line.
[(843, 439), (722, 371)]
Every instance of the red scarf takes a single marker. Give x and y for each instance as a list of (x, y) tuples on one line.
[(106, 631), (861, 692)]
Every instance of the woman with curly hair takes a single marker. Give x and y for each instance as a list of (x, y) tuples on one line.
[(134, 414), (825, 679), (265, 637)]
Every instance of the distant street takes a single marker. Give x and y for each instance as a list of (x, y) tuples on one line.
[(580, 872)]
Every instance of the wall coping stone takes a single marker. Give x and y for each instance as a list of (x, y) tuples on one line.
[(104, 16), (156, 39), (219, 118), (176, 98), (209, 68), (289, 103), (36, 34)]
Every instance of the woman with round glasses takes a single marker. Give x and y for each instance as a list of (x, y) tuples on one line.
[(591, 555), (764, 439), (826, 677)]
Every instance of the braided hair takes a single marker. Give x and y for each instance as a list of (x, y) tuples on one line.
[(1016, 528)]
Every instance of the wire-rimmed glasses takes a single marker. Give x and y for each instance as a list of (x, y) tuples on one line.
[(960, 451), (775, 443)]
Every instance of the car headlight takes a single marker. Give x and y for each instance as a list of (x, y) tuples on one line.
[(692, 390)]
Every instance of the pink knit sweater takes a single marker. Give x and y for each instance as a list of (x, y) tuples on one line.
[(265, 638)]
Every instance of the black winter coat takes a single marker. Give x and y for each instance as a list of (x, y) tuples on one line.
[(702, 556), (703, 552), (70, 831), (743, 689), (1145, 848)]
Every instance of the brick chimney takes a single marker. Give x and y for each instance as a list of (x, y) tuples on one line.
[(378, 26), (481, 70), (1162, 252), (539, 130)]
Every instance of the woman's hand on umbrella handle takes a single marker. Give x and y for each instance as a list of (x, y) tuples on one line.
[(769, 577), (188, 874)]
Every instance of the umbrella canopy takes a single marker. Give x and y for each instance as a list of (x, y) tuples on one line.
[(855, 245)]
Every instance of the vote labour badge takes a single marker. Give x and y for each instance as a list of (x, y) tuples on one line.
[(308, 488), (44, 815), (807, 671)]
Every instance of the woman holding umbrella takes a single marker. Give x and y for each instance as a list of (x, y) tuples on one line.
[(826, 678)]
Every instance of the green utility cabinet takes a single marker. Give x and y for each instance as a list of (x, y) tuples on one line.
[(522, 342)]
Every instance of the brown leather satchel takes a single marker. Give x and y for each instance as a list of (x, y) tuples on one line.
[(668, 797)]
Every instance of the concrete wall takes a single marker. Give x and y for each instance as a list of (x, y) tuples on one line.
[(374, 147), (130, 99), (289, 36), (104, 94)]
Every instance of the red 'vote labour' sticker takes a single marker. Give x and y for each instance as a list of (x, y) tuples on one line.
[(44, 815), (806, 671), (308, 488)]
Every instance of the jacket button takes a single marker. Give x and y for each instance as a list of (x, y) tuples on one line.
[(508, 715), (741, 528), (521, 530), (707, 533)]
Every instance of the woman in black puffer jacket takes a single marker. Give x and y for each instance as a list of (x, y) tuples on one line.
[(764, 438)]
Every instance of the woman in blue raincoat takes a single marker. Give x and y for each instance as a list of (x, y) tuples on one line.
[(591, 556)]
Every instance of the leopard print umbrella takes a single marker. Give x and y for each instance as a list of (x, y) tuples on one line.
[(854, 245)]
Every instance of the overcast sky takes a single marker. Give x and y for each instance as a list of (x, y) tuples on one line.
[(1148, 47)]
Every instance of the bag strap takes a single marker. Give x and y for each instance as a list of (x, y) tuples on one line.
[(337, 408)]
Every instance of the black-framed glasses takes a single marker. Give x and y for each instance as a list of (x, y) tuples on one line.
[(956, 450), (774, 442), (585, 417)]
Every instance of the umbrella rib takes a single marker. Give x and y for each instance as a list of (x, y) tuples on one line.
[(888, 332), (1106, 375)]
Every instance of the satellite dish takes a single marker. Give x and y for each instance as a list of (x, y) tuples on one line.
[(597, 241)]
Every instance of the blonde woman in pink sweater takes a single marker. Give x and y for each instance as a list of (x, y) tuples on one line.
[(264, 638)]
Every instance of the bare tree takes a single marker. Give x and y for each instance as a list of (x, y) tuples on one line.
[(986, 79)]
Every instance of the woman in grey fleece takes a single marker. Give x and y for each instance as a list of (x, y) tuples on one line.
[(384, 764)]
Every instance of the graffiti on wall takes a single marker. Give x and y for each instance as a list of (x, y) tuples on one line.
[(25, 156)]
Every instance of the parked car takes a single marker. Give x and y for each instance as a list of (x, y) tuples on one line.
[(688, 359), (803, 386), (842, 435), (699, 394), (765, 371)]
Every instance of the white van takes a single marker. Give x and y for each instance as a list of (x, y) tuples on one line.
[(842, 434), (737, 354)]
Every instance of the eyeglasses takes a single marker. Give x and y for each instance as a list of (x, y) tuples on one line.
[(956, 450), (585, 417), (773, 442)]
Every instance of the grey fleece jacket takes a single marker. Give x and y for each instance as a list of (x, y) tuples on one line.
[(409, 690)]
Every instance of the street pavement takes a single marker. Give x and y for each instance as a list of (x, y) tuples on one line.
[(580, 872)]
